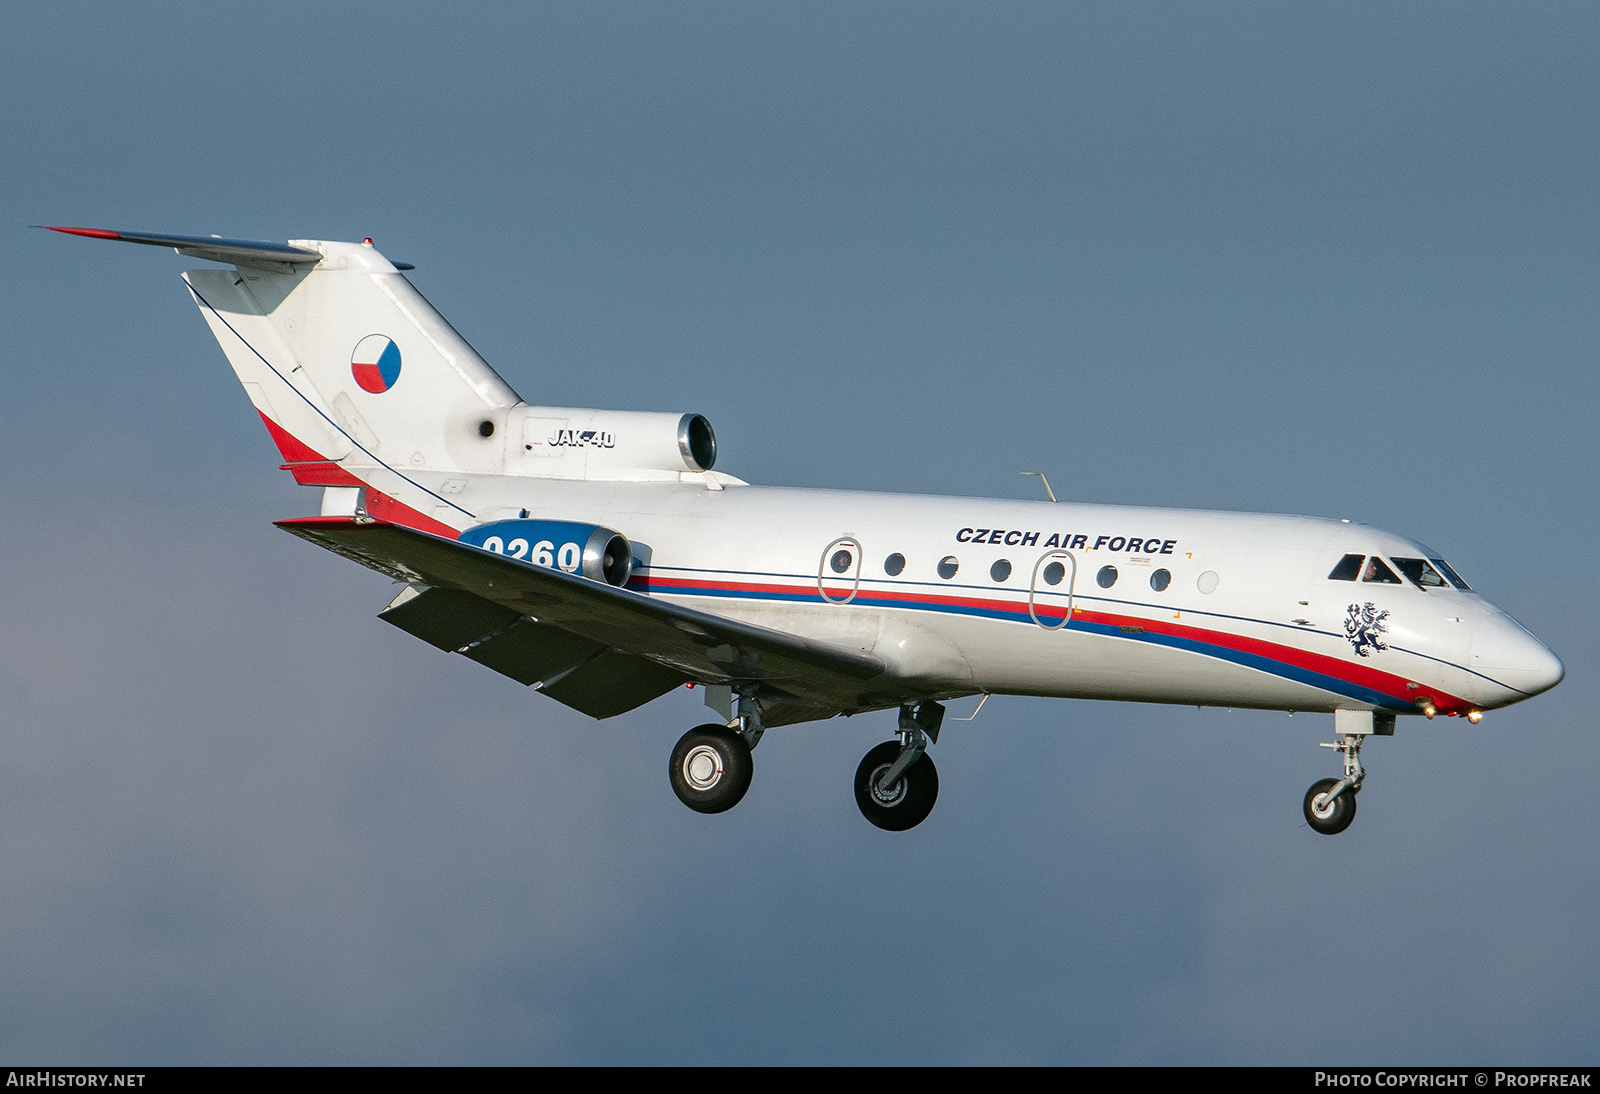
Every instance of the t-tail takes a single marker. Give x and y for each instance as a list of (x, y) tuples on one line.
[(369, 392)]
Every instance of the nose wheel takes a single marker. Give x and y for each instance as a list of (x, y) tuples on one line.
[(1329, 813)]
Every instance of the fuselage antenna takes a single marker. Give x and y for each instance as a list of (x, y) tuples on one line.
[(1044, 480)]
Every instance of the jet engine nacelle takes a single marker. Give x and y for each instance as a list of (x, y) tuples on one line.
[(574, 443), (599, 554)]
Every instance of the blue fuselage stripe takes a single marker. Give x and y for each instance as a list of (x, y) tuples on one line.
[(1020, 614)]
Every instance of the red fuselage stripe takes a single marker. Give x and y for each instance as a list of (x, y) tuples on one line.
[(1361, 675)]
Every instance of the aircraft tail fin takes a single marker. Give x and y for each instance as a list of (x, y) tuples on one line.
[(348, 357), (358, 379)]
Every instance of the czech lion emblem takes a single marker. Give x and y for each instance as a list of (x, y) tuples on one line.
[(1364, 626)]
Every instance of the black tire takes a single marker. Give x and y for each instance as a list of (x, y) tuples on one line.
[(1329, 818), (908, 802), (710, 769)]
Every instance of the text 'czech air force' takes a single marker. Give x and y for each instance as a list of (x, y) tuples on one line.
[(1015, 537)]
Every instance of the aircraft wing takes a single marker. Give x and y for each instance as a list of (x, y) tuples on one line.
[(594, 647)]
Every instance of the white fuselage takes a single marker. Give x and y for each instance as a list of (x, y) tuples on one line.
[(1166, 605)]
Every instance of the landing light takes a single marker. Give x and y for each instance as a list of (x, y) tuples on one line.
[(1474, 716), (1427, 707)]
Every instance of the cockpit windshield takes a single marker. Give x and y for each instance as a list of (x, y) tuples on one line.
[(1422, 575), (1378, 571), (1348, 569)]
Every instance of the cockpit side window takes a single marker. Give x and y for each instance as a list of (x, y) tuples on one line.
[(1378, 571), (1349, 568), (1422, 575), (1454, 578)]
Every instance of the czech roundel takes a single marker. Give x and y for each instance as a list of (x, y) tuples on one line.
[(376, 363)]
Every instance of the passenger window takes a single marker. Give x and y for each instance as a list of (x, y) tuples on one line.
[(894, 564), (1053, 573), (948, 567), (1349, 568), (1000, 570), (1107, 577), (1160, 580), (841, 560), (1421, 574), (1451, 576), (1378, 571)]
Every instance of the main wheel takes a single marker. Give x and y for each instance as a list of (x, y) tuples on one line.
[(710, 769), (908, 802), (1330, 816)]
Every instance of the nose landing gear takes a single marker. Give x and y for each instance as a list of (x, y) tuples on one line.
[(1330, 804)]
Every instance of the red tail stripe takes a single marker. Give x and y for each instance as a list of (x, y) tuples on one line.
[(322, 471), (294, 450)]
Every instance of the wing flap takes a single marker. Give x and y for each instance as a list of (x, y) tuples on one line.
[(613, 683), (447, 618), (492, 635), (530, 653), (639, 646)]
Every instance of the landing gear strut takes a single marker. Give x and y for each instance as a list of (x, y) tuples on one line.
[(897, 783), (1330, 804)]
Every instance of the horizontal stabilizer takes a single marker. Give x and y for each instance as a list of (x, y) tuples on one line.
[(620, 646), (239, 252)]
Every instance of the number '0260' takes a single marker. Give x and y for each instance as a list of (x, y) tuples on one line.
[(543, 553)]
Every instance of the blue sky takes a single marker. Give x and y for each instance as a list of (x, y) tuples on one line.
[(1265, 257)]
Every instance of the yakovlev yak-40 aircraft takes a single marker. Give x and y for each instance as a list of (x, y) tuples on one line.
[(596, 556)]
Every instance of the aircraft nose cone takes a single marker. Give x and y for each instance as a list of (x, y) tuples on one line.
[(1506, 652)]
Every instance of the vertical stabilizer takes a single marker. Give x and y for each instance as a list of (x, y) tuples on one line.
[(348, 362)]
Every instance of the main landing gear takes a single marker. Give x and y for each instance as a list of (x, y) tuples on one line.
[(711, 766), (897, 783)]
